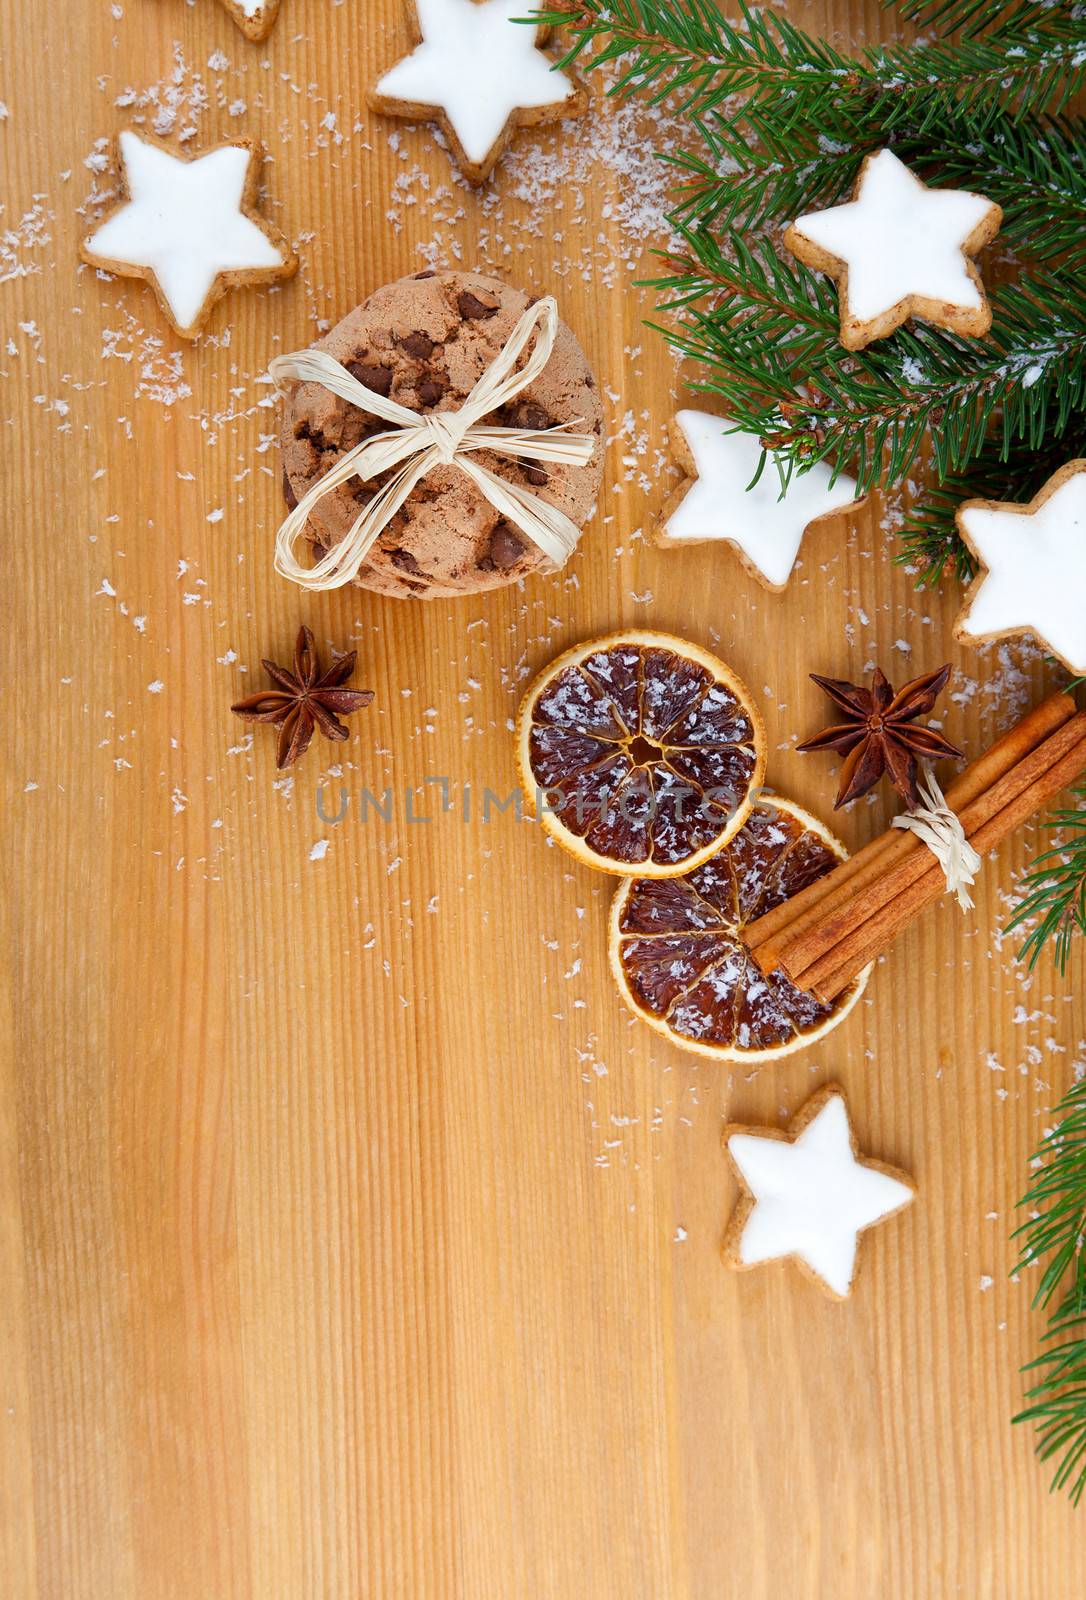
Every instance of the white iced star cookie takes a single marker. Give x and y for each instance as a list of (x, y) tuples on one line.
[(186, 224), (255, 18), (899, 249), (1033, 560), (478, 74), (807, 1194), (716, 503)]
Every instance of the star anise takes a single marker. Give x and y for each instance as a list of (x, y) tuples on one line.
[(305, 699), (880, 733)]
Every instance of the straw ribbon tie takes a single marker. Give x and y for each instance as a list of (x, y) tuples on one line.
[(416, 443), (937, 826)]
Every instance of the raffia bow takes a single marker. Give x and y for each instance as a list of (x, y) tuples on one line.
[(940, 829), (421, 443)]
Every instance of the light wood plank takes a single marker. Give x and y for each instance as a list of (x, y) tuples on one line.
[(354, 1240)]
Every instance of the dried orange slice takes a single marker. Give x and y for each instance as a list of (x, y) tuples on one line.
[(677, 949), (641, 752)]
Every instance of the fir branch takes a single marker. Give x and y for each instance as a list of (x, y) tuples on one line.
[(1021, 70), (996, 18), (1052, 1240), (760, 174), (688, 48), (1033, 168), (757, 174), (929, 532), (1055, 889), (766, 320), (1034, 62)]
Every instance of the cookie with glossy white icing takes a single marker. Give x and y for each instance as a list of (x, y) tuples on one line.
[(1033, 568), (478, 74), (807, 1195), (188, 225), (900, 249), (718, 502), (255, 18)]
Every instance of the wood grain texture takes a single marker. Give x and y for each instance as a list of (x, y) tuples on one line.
[(354, 1241)]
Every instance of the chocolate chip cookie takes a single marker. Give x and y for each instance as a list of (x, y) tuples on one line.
[(425, 341)]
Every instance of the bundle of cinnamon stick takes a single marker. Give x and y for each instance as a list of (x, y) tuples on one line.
[(825, 935)]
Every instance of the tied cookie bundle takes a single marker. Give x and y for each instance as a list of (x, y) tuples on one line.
[(444, 438), (418, 443)]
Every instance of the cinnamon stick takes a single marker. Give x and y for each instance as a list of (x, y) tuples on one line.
[(771, 935), (833, 971), (812, 945)]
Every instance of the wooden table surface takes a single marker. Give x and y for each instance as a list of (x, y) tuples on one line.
[(354, 1240)]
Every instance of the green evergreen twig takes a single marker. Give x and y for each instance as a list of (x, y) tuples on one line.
[(755, 175), (1055, 889), (1052, 1241), (929, 533), (687, 48), (757, 320)]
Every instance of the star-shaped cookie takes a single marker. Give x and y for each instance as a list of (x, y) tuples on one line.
[(899, 249), (807, 1193), (1034, 568), (717, 501), (478, 74), (187, 225), (255, 18)]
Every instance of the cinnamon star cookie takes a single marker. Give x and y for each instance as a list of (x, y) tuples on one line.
[(189, 225), (255, 18), (1033, 568), (478, 73), (899, 249), (730, 496), (806, 1193)]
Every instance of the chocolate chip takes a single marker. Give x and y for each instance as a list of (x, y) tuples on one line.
[(429, 273), (471, 308), (506, 547), (418, 345), (432, 388), (288, 492), (357, 426), (535, 475), (404, 560), (307, 434), (379, 379), (529, 415)]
